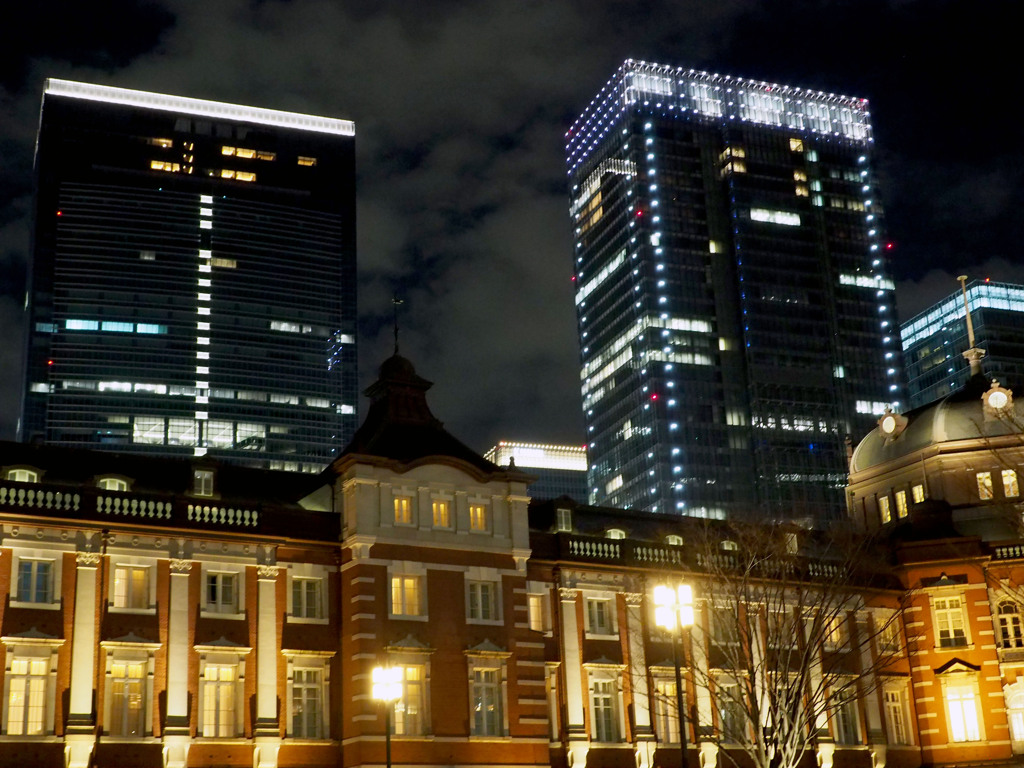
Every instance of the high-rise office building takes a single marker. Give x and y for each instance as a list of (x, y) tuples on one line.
[(193, 281), (735, 312), (935, 340), (559, 470)]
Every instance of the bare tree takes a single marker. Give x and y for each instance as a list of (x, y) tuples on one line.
[(799, 628)]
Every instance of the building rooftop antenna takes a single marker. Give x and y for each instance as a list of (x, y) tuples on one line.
[(396, 302), (973, 354)]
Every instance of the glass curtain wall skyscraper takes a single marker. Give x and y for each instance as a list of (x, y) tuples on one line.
[(935, 340), (736, 316), (192, 290)]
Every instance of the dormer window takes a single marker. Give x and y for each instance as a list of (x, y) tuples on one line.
[(563, 520), (674, 540), (112, 484), (615, 533), (202, 482), (22, 475), (729, 546)]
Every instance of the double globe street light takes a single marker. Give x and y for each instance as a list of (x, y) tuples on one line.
[(674, 612), (387, 688)]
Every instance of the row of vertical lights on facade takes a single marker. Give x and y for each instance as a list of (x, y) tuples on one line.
[(204, 282)]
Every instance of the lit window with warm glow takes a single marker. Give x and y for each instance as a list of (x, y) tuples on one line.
[(245, 176), (478, 517), (796, 145), (984, 485), (442, 512), (918, 493), (901, 503), (307, 161), (1010, 487), (962, 709), (884, 510), (403, 510), (949, 622), (131, 587), (406, 596)]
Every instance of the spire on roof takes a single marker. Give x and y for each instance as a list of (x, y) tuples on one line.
[(973, 353)]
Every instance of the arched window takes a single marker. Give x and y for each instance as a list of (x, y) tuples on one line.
[(674, 540), (615, 533), (1011, 633)]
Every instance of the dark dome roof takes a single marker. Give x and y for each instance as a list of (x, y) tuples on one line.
[(958, 416)]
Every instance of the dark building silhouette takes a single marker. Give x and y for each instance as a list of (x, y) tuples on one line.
[(193, 280)]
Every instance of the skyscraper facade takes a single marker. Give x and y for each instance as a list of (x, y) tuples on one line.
[(736, 317), (558, 470), (193, 281), (935, 340)]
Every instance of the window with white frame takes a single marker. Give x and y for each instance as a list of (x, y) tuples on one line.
[(563, 520), (724, 625), (846, 720), (307, 597), (615, 533), (1011, 633), (895, 698), (202, 482), (127, 685), (482, 600), (962, 705), (666, 718), (29, 684), (487, 698), (112, 484), (220, 690), (35, 582), (21, 475), (949, 622), (131, 586), (306, 693), (407, 598), (600, 615), (888, 627), (410, 715), (1013, 695), (732, 721), (835, 631), (605, 706), (222, 592)]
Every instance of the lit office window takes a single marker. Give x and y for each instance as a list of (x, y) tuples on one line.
[(1010, 487), (984, 485)]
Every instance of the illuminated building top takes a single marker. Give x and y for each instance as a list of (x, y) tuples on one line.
[(199, 107), (721, 97), (538, 456), (979, 294)]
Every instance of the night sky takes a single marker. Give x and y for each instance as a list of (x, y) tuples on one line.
[(460, 111)]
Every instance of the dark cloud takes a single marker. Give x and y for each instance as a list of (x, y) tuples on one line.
[(460, 110)]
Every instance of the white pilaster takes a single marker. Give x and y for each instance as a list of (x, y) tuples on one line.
[(573, 664), (177, 654), (81, 738), (266, 649)]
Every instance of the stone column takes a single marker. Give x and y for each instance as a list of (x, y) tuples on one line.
[(645, 743), (575, 704), (81, 731), (176, 727), (267, 730)]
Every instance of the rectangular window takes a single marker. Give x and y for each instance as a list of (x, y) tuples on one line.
[(128, 698), (918, 493), (409, 710), (605, 726), (222, 592), (599, 616), (896, 716), (962, 707), (844, 710), (307, 598), (796, 145), (406, 597), (477, 517), (26, 702), (488, 719), (835, 630), (482, 600), (219, 682), (307, 703), (888, 633), (984, 485), (536, 613), (202, 482), (442, 512), (403, 510), (884, 510), (307, 161), (1010, 630), (564, 521), (949, 622), (1010, 487), (131, 587), (35, 581), (731, 719), (901, 503), (665, 711)]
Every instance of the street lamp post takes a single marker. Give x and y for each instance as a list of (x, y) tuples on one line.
[(673, 612), (387, 687)]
